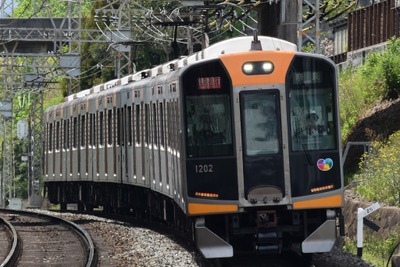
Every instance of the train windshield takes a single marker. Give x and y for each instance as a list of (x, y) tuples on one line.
[(208, 111), (312, 104), (261, 123)]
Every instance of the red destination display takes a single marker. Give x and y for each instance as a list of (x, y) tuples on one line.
[(206, 83)]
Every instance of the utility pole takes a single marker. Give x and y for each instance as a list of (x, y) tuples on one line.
[(309, 28)]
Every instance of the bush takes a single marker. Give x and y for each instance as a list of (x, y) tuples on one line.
[(350, 99), (362, 87), (382, 71), (380, 172)]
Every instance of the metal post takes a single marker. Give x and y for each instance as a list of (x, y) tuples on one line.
[(308, 30), (361, 213)]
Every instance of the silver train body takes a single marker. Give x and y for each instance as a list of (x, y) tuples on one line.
[(238, 145)]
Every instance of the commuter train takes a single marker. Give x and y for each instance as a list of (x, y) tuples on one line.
[(238, 145)]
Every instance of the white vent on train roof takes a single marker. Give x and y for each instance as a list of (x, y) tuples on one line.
[(127, 79), (112, 83)]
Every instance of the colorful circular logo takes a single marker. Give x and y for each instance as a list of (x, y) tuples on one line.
[(325, 164)]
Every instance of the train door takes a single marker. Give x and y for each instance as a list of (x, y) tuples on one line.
[(263, 170)]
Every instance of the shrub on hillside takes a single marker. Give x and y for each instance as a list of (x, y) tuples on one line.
[(380, 175), (382, 71)]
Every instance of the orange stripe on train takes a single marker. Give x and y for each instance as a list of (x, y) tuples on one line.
[(332, 201), (197, 208), (280, 59)]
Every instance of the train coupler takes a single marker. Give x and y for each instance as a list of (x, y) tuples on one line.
[(267, 241)]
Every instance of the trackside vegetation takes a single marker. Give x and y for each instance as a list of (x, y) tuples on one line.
[(360, 89)]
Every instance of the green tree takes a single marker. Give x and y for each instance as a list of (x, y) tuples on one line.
[(382, 72)]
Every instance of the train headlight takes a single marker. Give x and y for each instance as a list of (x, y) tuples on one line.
[(258, 67)]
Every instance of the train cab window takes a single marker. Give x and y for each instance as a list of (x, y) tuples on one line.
[(208, 117), (208, 125), (312, 106), (260, 122)]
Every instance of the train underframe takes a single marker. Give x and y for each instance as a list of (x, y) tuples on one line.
[(267, 230)]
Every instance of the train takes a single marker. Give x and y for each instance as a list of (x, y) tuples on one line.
[(237, 145)]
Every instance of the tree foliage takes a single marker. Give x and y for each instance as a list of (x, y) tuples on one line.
[(48, 8), (382, 71)]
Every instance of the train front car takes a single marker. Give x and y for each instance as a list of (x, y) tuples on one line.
[(262, 151)]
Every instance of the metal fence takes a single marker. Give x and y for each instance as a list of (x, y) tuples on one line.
[(373, 24)]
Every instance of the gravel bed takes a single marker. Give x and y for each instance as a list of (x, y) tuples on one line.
[(338, 258), (122, 245), (119, 244)]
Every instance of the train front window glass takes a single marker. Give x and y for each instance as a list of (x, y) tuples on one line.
[(260, 123), (312, 105), (209, 130)]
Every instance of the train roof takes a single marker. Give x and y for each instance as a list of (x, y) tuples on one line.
[(229, 46)]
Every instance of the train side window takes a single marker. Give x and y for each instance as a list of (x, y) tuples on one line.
[(138, 123), (176, 125), (92, 128), (75, 133), (69, 134), (129, 126), (58, 135), (146, 124), (169, 121), (65, 134), (101, 129), (119, 123), (50, 130), (155, 134), (109, 127), (83, 128), (162, 124)]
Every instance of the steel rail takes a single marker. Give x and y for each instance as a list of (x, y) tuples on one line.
[(14, 251), (85, 238)]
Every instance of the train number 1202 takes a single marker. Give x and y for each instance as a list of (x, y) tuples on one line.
[(204, 168)]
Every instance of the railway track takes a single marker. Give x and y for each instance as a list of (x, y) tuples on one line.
[(36, 239), (8, 243)]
